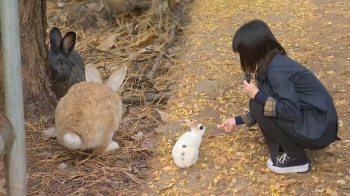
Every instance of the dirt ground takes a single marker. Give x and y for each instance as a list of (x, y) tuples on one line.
[(315, 33), (207, 88)]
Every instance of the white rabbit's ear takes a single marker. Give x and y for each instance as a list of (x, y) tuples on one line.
[(189, 123), (116, 79), (92, 74), (194, 123)]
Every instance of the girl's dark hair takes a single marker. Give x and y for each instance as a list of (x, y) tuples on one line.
[(256, 46)]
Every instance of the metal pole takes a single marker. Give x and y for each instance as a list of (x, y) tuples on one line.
[(15, 165)]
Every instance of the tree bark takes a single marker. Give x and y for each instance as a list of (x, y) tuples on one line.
[(38, 98)]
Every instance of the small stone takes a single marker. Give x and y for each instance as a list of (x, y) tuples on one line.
[(45, 119), (61, 5), (137, 136), (62, 166), (114, 185), (48, 133), (46, 154), (148, 144), (135, 170)]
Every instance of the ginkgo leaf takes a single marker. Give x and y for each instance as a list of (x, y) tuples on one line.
[(340, 123), (329, 191), (341, 181), (109, 43), (144, 39), (330, 72), (145, 111), (320, 188)]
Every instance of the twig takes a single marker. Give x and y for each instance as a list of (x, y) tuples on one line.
[(156, 91), (133, 178), (150, 98), (167, 44), (99, 50), (171, 4), (108, 52), (166, 89), (155, 65)]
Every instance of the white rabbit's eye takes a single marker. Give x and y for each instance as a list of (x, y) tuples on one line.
[(201, 127)]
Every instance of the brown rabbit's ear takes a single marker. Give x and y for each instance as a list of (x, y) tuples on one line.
[(92, 74), (116, 79)]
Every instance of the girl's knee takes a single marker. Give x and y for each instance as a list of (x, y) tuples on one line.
[(256, 109)]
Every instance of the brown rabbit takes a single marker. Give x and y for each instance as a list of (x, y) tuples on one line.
[(88, 115)]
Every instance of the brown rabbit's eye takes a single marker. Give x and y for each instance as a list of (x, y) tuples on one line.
[(201, 127)]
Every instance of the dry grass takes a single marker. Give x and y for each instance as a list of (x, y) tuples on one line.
[(54, 170), (119, 173), (139, 38)]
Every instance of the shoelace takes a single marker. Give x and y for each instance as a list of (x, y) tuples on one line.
[(282, 159)]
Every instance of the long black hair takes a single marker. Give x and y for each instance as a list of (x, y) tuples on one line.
[(256, 46)]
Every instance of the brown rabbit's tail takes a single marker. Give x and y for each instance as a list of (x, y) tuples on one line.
[(72, 141)]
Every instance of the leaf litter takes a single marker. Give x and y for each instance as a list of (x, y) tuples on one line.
[(234, 163)]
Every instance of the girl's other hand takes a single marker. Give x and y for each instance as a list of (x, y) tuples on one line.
[(250, 89)]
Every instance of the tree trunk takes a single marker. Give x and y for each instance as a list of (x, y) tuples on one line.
[(38, 98)]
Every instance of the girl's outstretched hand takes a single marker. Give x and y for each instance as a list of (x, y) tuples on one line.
[(228, 125)]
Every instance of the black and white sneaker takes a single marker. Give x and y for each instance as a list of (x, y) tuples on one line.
[(269, 162), (285, 165)]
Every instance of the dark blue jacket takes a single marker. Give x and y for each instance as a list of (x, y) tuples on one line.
[(303, 107)]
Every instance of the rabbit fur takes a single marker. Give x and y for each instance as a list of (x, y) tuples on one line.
[(89, 114), (186, 149), (126, 6), (66, 65)]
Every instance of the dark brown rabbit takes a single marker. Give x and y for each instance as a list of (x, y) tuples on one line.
[(67, 66)]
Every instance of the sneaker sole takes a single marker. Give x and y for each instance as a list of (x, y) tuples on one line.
[(269, 162), (286, 170)]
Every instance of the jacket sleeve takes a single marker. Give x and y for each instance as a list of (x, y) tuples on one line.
[(248, 120), (285, 104)]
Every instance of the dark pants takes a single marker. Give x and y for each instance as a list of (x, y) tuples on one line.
[(275, 137)]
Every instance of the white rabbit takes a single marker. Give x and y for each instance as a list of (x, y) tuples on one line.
[(186, 149), (88, 115)]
